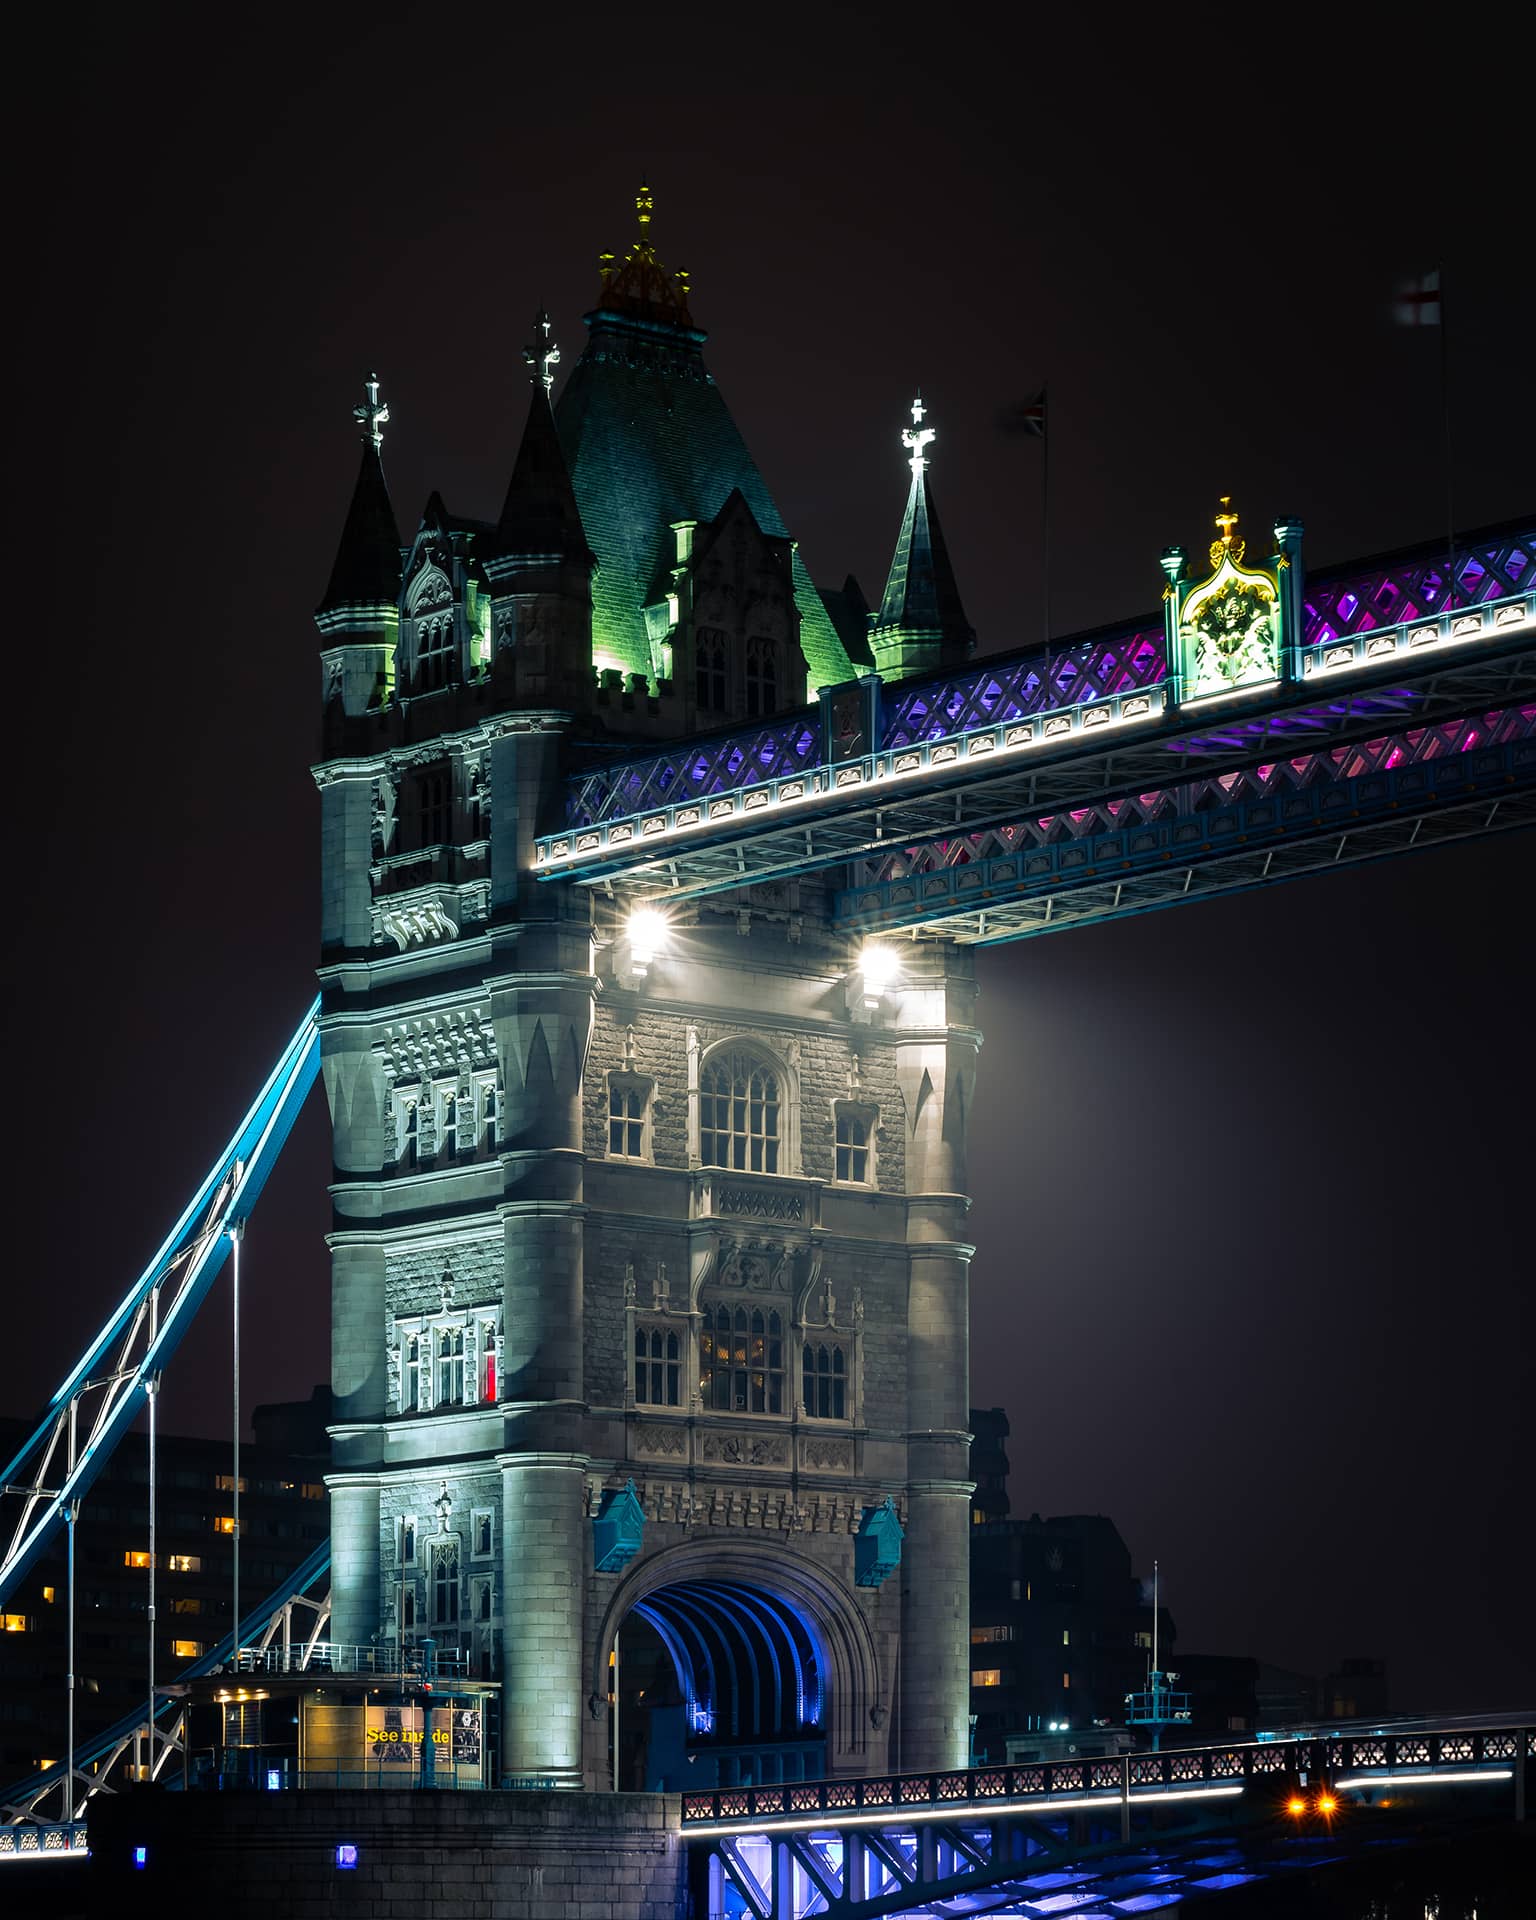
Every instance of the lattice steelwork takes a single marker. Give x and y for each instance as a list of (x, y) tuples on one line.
[(1049, 1837), (1328, 767), (1040, 679), (717, 765), (1035, 682)]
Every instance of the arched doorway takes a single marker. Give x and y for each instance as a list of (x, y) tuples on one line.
[(734, 1669)]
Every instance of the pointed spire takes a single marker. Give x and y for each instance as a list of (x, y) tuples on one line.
[(539, 515), (921, 621), (367, 568), (640, 285)]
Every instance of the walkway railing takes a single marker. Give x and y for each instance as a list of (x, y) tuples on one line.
[(1180, 1772)]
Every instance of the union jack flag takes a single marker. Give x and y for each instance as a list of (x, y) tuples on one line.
[(1025, 416), (1418, 301)]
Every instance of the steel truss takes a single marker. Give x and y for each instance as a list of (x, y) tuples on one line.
[(1135, 743), (1042, 1838), (266, 1632), (102, 1396), (1403, 791)]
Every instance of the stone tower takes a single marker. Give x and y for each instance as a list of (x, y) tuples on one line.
[(649, 1285)]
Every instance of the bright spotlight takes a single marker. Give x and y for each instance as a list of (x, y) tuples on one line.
[(647, 935), (879, 965)]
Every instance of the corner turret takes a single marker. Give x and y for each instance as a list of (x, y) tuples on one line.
[(921, 623), (359, 614), (541, 569)]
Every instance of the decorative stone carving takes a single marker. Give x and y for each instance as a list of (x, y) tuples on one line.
[(758, 1203), (827, 1456), (660, 1443), (745, 1449), (417, 925)]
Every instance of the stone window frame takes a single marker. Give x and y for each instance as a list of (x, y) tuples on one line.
[(488, 1515), (760, 677), (699, 1062), (438, 1548), (867, 1112), (647, 1324), (482, 1594), (626, 1082), (472, 1322), (710, 1303), (832, 1341), (432, 651), (405, 1101), (407, 1531)]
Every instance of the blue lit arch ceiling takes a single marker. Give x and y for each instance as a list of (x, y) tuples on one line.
[(746, 1660)]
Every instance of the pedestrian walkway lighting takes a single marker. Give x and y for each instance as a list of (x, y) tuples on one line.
[(648, 932)]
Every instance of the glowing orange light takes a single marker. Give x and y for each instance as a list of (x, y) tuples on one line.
[(1326, 1803), (1295, 1804)]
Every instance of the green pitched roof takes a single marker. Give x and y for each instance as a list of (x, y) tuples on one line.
[(367, 569), (648, 440), (921, 594)]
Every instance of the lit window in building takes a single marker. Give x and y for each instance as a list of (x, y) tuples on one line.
[(739, 1113), (187, 1649), (990, 1636), (450, 1367), (762, 678), (710, 673), (852, 1147), (1066, 1679), (184, 1562), (825, 1381), (658, 1367), (1142, 1639), (741, 1360), (986, 1676), (186, 1603), (312, 1490), (137, 1557), (1066, 1636), (445, 1584), (626, 1120), (225, 1482), (488, 1362), (48, 1595), (225, 1523), (14, 1622)]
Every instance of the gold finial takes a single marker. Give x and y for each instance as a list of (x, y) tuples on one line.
[(1229, 543), (645, 206)]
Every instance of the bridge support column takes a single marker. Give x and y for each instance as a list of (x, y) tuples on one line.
[(355, 1558), (544, 1577)]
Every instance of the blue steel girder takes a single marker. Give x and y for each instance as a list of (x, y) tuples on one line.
[(1248, 828), (1056, 762), (111, 1381)]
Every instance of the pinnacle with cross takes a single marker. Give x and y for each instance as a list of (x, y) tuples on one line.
[(916, 437), (543, 354), (372, 414)]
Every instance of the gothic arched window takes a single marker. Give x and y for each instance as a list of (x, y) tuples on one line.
[(741, 1359), (762, 678), (409, 1135), (709, 661), (410, 1375), (825, 1381), (450, 1367), (445, 1583), (434, 650), (658, 1367), (741, 1113)]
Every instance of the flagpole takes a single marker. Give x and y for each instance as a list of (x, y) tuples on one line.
[(1445, 420), (1045, 512)]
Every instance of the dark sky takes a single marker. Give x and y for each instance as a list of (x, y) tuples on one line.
[(1251, 1191)]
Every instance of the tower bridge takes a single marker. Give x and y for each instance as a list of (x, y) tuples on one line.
[(649, 1249)]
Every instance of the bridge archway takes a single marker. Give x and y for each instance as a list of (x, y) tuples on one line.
[(736, 1665)]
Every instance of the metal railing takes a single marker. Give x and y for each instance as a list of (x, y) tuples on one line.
[(1137, 1776)]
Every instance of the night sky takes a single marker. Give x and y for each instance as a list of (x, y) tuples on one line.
[(1251, 1179)]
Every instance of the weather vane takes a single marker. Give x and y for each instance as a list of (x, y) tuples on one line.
[(372, 415), (543, 355), (916, 437)]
